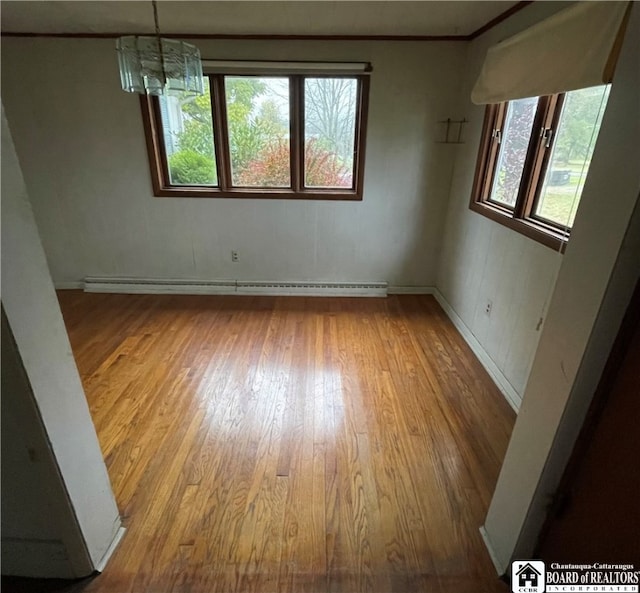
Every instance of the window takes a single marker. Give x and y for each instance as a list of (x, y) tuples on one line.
[(261, 135), (533, 161)]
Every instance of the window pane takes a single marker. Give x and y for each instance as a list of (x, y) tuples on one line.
[(516, 134), (571, 154), (188, 138), (329, 131), (258, 120)]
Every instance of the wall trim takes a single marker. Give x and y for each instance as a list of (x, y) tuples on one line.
[(117, 538), (500, 569), (79, 285), (511, 395), (517, 7), (411, 289), (240, 36), (234, 287), (280, 37)]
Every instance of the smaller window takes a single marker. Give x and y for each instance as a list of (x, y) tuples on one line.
[(187, 132), (258, 122), (570, 156), (329, 132), (515, 137), (533, 161)]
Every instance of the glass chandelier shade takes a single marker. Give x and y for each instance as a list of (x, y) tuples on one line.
[(155, 66)]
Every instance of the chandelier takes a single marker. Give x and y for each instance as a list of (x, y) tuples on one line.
[(154, 66)]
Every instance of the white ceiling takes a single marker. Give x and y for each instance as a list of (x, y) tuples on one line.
[(262, 18)]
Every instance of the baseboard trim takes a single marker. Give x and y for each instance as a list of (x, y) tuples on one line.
[(234, 287), (411, 289), (511, 395), (117, 538), (69, 285), (500, 569)]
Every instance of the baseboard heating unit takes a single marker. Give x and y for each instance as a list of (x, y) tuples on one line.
[(239, 287)]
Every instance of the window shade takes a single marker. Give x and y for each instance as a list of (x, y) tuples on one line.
[(574, 49), (259, 67)]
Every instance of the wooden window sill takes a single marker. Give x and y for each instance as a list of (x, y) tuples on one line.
[(554, 239), (257, 194)]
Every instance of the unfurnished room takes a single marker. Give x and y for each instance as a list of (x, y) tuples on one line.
[(320, 296)]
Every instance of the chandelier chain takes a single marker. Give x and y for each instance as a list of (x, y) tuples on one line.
[(159, 41), (155, 17)]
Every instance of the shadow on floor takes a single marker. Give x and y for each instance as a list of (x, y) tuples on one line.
[(26, 585)]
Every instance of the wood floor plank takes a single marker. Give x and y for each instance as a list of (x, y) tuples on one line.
[(263, 444)]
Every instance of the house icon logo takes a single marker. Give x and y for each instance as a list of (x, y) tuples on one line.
[(528, 576)]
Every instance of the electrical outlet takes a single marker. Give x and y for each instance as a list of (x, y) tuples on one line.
[(234, 256), (488, 308)]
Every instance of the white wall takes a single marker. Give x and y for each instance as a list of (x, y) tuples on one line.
[(81, 144), (40, 536), (624, 277), (599, 270), (485, 261), (34, 316)]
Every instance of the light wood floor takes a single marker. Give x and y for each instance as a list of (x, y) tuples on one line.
[(261, 444)]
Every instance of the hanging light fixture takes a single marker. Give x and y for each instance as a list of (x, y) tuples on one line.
[(154, 66)]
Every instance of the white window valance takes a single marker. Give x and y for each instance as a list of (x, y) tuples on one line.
[(293, 67), (575, 48)]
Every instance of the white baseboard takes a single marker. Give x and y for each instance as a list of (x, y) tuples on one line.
[(411, 289), (511, 395), (234, 287), (69, 285), (111, 549), (500, 569)]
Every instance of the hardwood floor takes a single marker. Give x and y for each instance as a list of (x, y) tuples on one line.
[(260, 444)]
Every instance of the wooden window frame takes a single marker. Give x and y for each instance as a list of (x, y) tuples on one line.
[(521, 217), (160, 179)]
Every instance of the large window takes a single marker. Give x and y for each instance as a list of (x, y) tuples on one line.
[(261, 136), (533, 161)]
